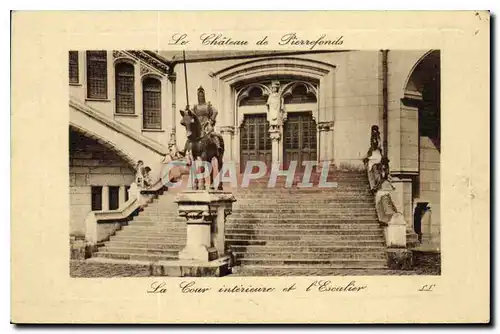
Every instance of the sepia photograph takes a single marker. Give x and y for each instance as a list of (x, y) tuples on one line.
[(254, 163), (191, 167)]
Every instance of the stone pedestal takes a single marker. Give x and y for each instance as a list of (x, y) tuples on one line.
[(205, 213)]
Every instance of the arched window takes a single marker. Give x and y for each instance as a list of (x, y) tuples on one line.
[(124, 87), (151, 103), (97, 75)]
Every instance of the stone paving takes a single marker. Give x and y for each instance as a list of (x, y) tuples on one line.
[(425, 265), (82, 268)]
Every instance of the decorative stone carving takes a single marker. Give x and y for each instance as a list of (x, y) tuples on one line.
[(227, 129), (245, 91), (205, 214), (145, 70), (388, 216), (376, 162), (119, 54), (163, 68), (310, 88), (172, 77), (325, 126)]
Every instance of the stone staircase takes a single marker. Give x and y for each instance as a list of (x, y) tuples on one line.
[(307, 227), (270, 227), (157, 233)]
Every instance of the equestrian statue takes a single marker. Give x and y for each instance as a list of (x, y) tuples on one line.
[(202, 143)]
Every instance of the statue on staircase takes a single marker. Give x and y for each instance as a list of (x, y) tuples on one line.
[(202, 142), (376, 162), (206, 114)]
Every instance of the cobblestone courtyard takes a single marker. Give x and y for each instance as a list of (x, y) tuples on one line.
[(425, 264)]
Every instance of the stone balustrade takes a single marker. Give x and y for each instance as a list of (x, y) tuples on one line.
[(393, 222)]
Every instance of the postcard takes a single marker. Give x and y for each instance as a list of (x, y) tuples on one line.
[(250, 167)]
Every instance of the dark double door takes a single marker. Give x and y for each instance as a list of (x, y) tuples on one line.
[(299, 140), (255, 141)]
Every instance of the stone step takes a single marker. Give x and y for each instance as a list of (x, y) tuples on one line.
[(151, 238), (169, 224), (333, 238), (153, 230), (265, 207), (311, 226), (141, 250), (337, 263), (156, 215), (326, 248), (133, 243), (134, 256), (303, 192), (315, 220), (308, 270), (304, 232), (380, 255), (340, 186), (304, 201), (300, 215), (304, 243), (312, 209), (162, 221)]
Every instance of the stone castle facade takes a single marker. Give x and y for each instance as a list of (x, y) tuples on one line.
[(124, 107)]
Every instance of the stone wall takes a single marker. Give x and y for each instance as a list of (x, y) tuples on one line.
[(429, 190), (91, 164), (355, 106)]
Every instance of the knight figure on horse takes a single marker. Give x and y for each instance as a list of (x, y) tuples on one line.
[(206, 114), (202, 142)]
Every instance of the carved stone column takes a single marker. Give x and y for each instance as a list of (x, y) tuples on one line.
[(172, 77), (325, 140), (205, 213), (275, 134), (227, 133)]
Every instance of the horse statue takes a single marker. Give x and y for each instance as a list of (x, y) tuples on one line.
[(202, 146)]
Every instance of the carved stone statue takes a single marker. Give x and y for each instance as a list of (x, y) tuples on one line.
[(274, 105), (375, 138), (139, 174)]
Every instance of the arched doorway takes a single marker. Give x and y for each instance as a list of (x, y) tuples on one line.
[(98, 177), (424, 84), (294, 138)]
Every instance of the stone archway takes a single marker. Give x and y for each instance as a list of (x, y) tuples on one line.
[(99, 176), (425, 80), (416, 171)]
